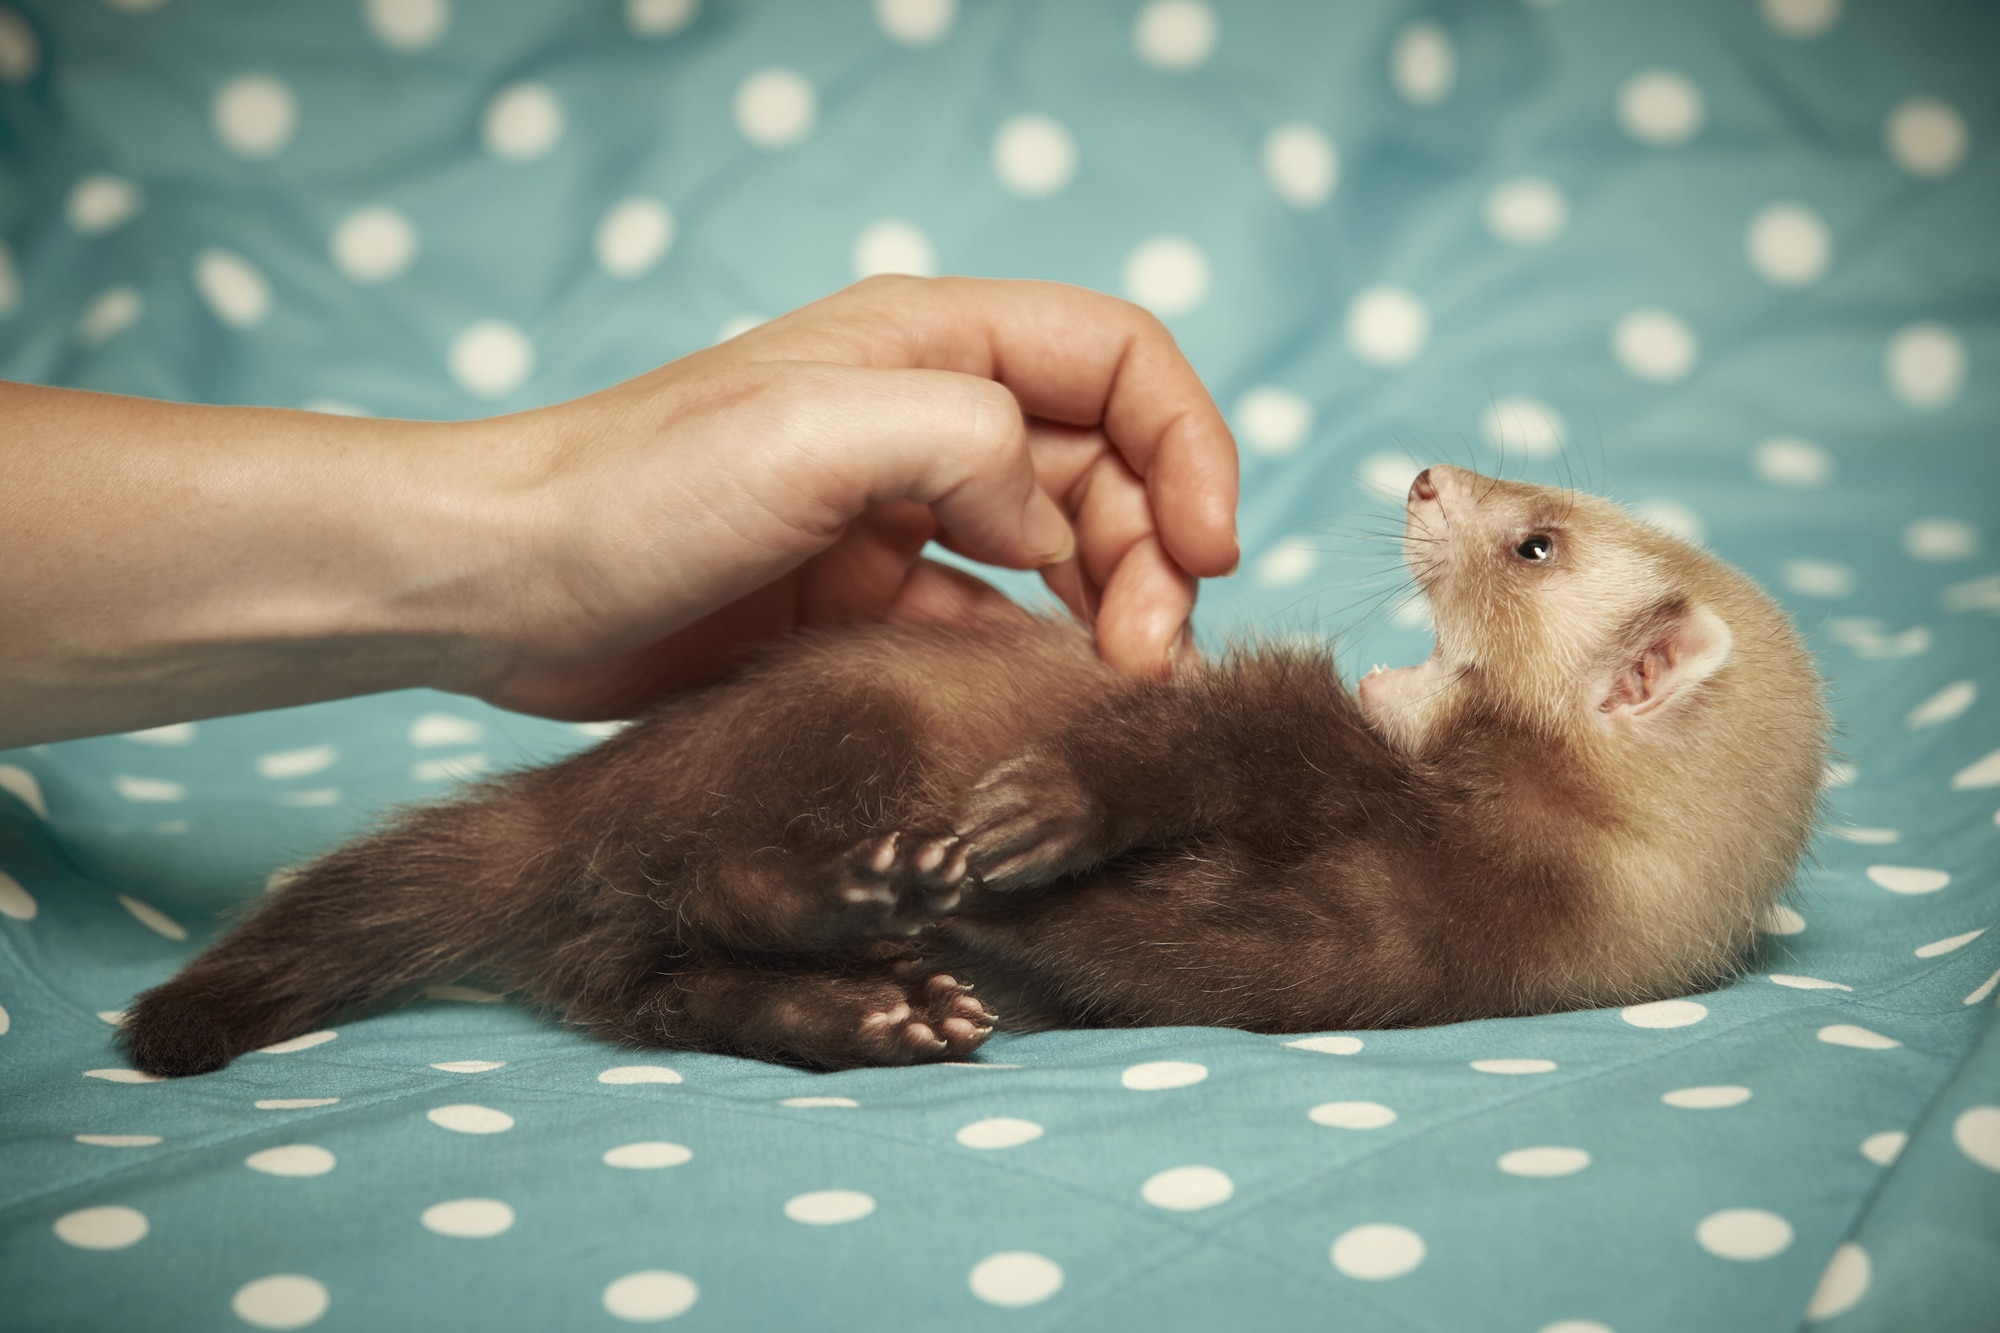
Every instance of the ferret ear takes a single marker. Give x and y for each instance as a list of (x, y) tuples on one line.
[(1670, 653)]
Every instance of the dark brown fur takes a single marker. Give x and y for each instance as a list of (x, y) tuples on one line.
[(808, 861)]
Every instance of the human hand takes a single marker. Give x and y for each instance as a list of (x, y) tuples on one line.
[(792, 476)]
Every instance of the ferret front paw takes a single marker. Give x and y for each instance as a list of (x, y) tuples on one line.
[(1027, 822), (938, 1018), (896, 885)]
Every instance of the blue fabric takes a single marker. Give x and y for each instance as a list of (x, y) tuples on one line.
[(1730, 262)]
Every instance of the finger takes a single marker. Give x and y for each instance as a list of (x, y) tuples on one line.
[(1068, 354), (956, 443), (1144, 616)]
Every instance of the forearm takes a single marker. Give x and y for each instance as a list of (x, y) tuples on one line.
[(160, 562)]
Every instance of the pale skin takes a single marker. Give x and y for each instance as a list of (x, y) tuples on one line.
[(162, 562)]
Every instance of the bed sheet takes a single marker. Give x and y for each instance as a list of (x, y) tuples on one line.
[(1731, 262)]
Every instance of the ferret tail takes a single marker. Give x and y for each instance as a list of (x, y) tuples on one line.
[(430, 898)]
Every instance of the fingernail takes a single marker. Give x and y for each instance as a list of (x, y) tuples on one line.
[(1046, 531)]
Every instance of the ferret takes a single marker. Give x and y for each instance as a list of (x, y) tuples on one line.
[(875, 844)]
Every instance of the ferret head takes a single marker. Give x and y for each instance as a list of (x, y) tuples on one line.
[(1626, 675)]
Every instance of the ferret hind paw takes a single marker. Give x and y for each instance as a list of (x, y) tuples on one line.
[(1025, 823), (937, 1018), (896, 885)]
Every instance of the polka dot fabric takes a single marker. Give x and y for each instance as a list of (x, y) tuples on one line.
[(1731, 261)]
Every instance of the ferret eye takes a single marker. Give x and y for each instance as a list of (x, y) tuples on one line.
[(1536, 547)]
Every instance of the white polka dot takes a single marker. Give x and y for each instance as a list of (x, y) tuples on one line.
[(1527, 210), (639, 1074), (999, 1132), (1673, 517), (1572, 1325), (1743, 1233), (100, 202), (468, 1066), (119, 1140), (1273, 421), (1909, 879), (175, 733), (254, 115), (1938, 948), (1708, 1098), (1925, 366), (1514, 1066), (775, 108), (650, 1296), (1287, 562), (304, 1043), (1884, 1148), (492, 358), (1789, 245), (1168, 275), (433, 729), (1033, 156), (734, 327), (915, 22), (1793, 982), (335, 407), (20, 53), (1927, 137), (522, 122), (1015, 1278), (303, 762), (1525, 426), (1842, 1285), (152, 918), (465, 1118), (1187, 1189), (893, 246), (20, 784), (150, 790), (1302, 164), (1423, 64), (1976, 1131), (633, 236), (648, 1156), (846, 1102), (825, 1208), (283, 1300), (1664, 1014), (1326, 1045), (461, 994), (112, 1227), (233, 287), (1946, 704), (1985, 988), (1655, 345), (1387, 326), (1817, 578), (6, 1021), (1980, 773), (407, 25), (1544, 1162), (374, 244), (1941, 539), (121, 1075), (10, 282), (469, 1219), (1660, 107), (1800, 18), (659, 18), (294, 1159), (115, 310), (1377, 1251), (1174, 35), (1351, 1115), (308, 1103), (15, 901), (135, 6), (1785, 460), (1155, 1075), (1861, 1039)]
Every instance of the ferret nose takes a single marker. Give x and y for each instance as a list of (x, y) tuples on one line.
[(1423, 488)]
